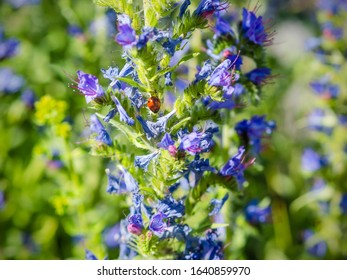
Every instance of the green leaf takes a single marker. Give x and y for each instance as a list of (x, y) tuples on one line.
[(135, 138), (133, 83), (214, 225)]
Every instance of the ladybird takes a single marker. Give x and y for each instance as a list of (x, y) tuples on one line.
[(153, 104)]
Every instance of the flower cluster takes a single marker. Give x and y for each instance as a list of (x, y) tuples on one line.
[(174, 154), (324, 162)]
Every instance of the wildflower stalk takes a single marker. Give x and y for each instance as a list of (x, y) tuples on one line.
[(168, 157)]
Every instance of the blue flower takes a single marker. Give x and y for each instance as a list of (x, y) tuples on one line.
[(112, 73), (130, 182), (28, 98), (235, 167), (168, 79), (123, 114), (256, 214), (170, 45), (205, 248), (217, 205), (89, 86), (183, 8), (8, 48), (157, 224), (317, 248), (170, 207), (2, 199), (90, 256), (223, 28), (110, 115), (216, 105), (97, 127), (135, 225), (207, 8), (204, 72), (325, 89), (331, 31), (166, 142), (115, 185), (126, 36), (221, 76), (9, 82), (252, 131), (311, 161), (258, 76), (20, 3), (198, 166), (332, 6), (316, 121), (112, 236), (144, 161), (253, 28), (135, 97), (154, 129), (343, 203)]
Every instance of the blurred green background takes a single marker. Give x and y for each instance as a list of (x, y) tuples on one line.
[(55, 204)]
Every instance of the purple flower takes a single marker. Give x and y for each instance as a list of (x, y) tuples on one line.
[(28, 98), (154, 129), (311, 161), (89, 86), (253, 28), (9, 82), (123, 114), (259, 76), (112, 236), (126, 36), (252, 131), (256, 214), (325, 89), (170, 207), (221, 76), (144, 161), (157, 224), (196, 142), (217, 205), (97, 127), (318, 248)]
